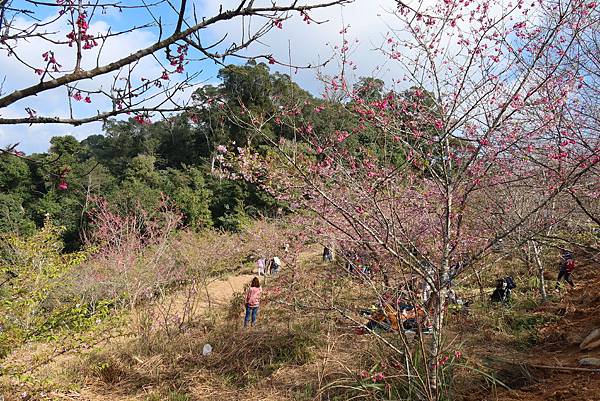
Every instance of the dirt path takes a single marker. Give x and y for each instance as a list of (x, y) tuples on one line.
[(559, 345), (217, 295), (221, 291)]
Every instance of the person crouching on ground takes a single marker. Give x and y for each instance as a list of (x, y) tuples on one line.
[(252, 301)]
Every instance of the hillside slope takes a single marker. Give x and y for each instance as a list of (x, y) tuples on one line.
[(303, 356), (579, 311)]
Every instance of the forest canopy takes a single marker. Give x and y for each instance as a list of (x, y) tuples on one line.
[(137, 162)]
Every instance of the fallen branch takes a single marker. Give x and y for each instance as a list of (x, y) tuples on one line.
[(532, 365), (565, 368)]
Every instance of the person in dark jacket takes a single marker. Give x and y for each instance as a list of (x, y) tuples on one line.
[(503, 291), (566, 267)]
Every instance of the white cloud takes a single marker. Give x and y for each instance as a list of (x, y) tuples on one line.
[(308, 43), (36, 138), (313, 43)]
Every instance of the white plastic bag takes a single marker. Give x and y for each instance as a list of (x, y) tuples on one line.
[(207, 349)]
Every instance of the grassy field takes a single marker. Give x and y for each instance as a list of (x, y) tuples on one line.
[(304, 349)]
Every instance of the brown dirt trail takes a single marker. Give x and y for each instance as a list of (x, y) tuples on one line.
[(558, 346)]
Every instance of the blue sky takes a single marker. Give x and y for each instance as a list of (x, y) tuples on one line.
[(307, 44)]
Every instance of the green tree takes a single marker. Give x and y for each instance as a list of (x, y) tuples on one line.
[(369, 89), (34, 267), (141, 185), (13, 216), (188, 190), (123, 141), (178, 143), (227, 206), (63, 180), (15, 194), (15, 176)]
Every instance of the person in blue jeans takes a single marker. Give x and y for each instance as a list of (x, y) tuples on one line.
[(252, 301)]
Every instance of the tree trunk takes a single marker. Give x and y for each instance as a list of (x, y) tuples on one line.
[(208, 299), (436, 344), (440, 288), (480, 285), (536, 252)]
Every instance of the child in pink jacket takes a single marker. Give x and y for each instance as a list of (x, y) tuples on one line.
[(252, 301)]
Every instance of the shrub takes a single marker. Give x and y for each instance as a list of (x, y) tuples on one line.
[(32, 299)]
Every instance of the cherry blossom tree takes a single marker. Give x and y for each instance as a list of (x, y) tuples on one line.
[(584, 59), (476, 139), (82, 60)]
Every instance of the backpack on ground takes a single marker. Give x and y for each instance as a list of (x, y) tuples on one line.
[(510, 283)]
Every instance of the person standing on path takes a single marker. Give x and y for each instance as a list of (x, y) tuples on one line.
[(261, 266), (567, 265), (252, 301), (275, 265)]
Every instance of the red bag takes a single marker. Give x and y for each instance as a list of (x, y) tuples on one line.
[(570, 265)]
